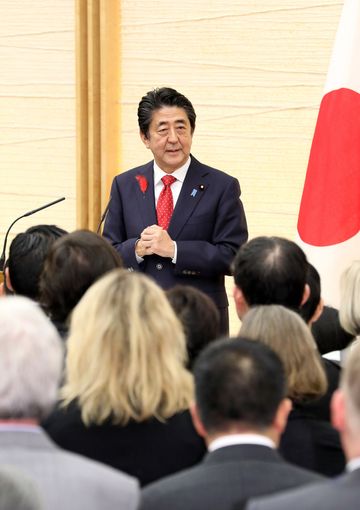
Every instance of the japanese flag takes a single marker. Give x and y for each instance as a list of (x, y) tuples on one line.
[(329, 217)]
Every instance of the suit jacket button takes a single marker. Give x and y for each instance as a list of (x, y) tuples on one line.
[(159, 267)]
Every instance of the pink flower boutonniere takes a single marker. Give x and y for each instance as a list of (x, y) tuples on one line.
[(143, 184)]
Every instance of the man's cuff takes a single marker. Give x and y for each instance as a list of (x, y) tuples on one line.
[(173, 260), (138, 258)]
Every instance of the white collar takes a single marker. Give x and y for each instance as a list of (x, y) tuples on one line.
[(180, 173), (353, 464), (234, 439)]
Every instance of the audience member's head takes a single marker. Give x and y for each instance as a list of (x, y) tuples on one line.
[(126, 352), (286, 333), (269, 270), (349, 312), (74, 263), (27, 254), (30, 360), (160, 98), (240, 387), (199, 316), (323, 320), (346, 405), (17, 491)]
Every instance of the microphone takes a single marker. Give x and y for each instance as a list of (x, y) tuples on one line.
[(103, 217), (2, 258)]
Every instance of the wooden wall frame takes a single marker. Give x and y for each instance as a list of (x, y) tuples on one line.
[(98, 59)]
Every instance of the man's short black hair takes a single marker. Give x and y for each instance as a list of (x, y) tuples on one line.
[(27, 254), (73, 264), (238, 381), (271, 271), (308, 309), (159, 98), (198, 315)]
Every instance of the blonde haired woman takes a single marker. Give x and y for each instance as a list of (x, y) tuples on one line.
[(308, 441), (126, 395)]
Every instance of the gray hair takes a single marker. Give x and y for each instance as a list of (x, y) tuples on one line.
[(349, 312), (30, 360)]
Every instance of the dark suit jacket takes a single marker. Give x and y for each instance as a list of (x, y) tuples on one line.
[(312, 443), (226, 476), (328, 333), (208, 225), (341, 493), (148, 450)]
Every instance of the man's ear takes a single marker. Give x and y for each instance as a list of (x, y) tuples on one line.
[(318, 311), (7, 279), (306, 294), (145, 140), (240, 302), (281, 416), (338, 410), (198, 424)]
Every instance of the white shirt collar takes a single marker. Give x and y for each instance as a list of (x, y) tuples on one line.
[(234, 439), (353, 464), (180, 173)]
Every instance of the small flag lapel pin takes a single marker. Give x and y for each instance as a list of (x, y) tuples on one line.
[(193, 193)]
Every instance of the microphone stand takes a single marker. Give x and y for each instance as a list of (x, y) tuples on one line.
[(2, 258)]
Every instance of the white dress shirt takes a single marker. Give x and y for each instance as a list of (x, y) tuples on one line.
[(235, 439), (180, 175)]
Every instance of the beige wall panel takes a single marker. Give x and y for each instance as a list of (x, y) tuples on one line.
[(254, 71), (37, 111)]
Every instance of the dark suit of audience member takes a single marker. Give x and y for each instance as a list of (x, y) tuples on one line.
[(127, 392), (74, 263), (342, 492), (31, 356), (329, 334), (148, 450), (241, 411), (312, 443)]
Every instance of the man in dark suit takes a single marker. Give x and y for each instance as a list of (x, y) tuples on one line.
[(179, 231), (241, 411), (342, 492)]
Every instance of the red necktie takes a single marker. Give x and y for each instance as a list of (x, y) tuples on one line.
[(165, 204)]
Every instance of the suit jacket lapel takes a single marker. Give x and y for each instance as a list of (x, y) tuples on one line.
[(193, 190), (146, 201)]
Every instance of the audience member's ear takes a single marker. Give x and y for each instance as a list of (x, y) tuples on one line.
[(240, 303), (281, 416), (338, 410), (306, 294), (7, 279), (318, 312), (198, 424)]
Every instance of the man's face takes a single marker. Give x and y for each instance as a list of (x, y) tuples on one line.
[(169, 138)]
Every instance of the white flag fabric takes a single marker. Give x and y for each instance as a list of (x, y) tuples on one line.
[(329, 217)]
